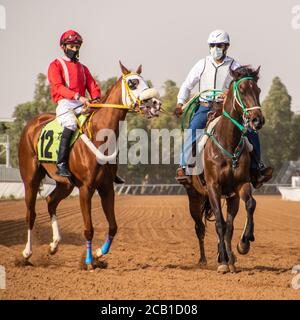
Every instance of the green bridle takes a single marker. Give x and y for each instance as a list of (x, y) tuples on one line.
[(238, 99)]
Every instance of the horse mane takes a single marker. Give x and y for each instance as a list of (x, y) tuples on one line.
[(245, 71), (108, 91)]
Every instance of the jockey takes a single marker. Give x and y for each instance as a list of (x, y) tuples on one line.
[(69, 81), (212, 72)]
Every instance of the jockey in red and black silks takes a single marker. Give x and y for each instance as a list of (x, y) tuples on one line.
[(69, 81)]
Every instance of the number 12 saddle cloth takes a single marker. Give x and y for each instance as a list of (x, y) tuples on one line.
[(50, 136)]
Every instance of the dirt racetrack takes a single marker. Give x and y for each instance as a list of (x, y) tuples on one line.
[(154, 255)]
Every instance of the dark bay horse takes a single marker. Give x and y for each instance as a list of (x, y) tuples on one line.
[(227, 169), (129, 92)]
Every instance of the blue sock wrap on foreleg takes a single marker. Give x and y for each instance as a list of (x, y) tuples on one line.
[(106, 246), (89, 256)]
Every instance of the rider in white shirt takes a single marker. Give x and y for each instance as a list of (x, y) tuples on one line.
[(210, 73)]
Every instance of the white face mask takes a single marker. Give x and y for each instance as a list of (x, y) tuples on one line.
[(216, 53)]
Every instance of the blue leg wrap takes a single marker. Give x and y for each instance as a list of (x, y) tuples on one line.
[(106, 246), (89, 256)]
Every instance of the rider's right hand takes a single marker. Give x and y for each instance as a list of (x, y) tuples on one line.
[(178, 111), (84, 100)]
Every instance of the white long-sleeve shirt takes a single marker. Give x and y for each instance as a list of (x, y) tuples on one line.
[(209, 75)]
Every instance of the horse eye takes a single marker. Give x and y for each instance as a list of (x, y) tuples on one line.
[(133, 83)]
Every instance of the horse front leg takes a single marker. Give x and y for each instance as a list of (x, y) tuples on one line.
[(243, 245), (107, 195), (85, 196), (214, 194), (232, 210)]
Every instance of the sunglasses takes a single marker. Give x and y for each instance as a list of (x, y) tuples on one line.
[(218, 45)]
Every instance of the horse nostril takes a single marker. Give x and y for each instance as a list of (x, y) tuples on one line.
[(256, 122)]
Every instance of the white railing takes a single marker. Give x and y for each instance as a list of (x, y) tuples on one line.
[(177, 189), (148, 189)]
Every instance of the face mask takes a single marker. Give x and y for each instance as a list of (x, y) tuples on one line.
[(73, 55), (217, 53)]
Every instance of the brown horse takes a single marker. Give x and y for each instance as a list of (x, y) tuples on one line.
[(227, 169), (129, 92)]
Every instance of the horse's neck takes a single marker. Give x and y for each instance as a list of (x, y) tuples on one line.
[(109, 117), (227, 132)]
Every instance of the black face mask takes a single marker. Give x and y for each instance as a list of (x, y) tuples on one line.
[(73, 55)]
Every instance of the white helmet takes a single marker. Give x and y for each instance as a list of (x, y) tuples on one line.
[(218, 36)]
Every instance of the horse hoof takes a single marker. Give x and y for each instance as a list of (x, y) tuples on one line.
[(243, 247), (232, 268), (99, 253), (52, 250), (202, 263), (26, 254), (89, 267), (223, 268)]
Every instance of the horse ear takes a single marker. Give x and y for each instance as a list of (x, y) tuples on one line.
[(233, 74), (139, 69), (257, 70), (124, 69)]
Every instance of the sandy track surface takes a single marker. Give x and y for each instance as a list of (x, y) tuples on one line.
[(154, 255)]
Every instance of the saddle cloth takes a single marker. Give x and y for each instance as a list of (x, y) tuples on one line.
[(50, 137)]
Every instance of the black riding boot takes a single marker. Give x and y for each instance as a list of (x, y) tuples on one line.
[(63, 153), (260, 174)]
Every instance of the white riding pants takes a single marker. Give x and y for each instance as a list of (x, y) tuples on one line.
[(66, 112)]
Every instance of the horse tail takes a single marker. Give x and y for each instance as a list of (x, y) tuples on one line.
[(208, 212), (40, 189)]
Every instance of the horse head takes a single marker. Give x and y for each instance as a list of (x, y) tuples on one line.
[(137, 93), (246, 96)]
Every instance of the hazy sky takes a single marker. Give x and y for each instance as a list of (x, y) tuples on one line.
[(166, 36)]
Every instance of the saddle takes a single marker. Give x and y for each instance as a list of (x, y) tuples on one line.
[(212, 115)]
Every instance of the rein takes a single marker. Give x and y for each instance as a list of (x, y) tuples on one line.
[(134, 105), (193, 104), (135, 102)]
